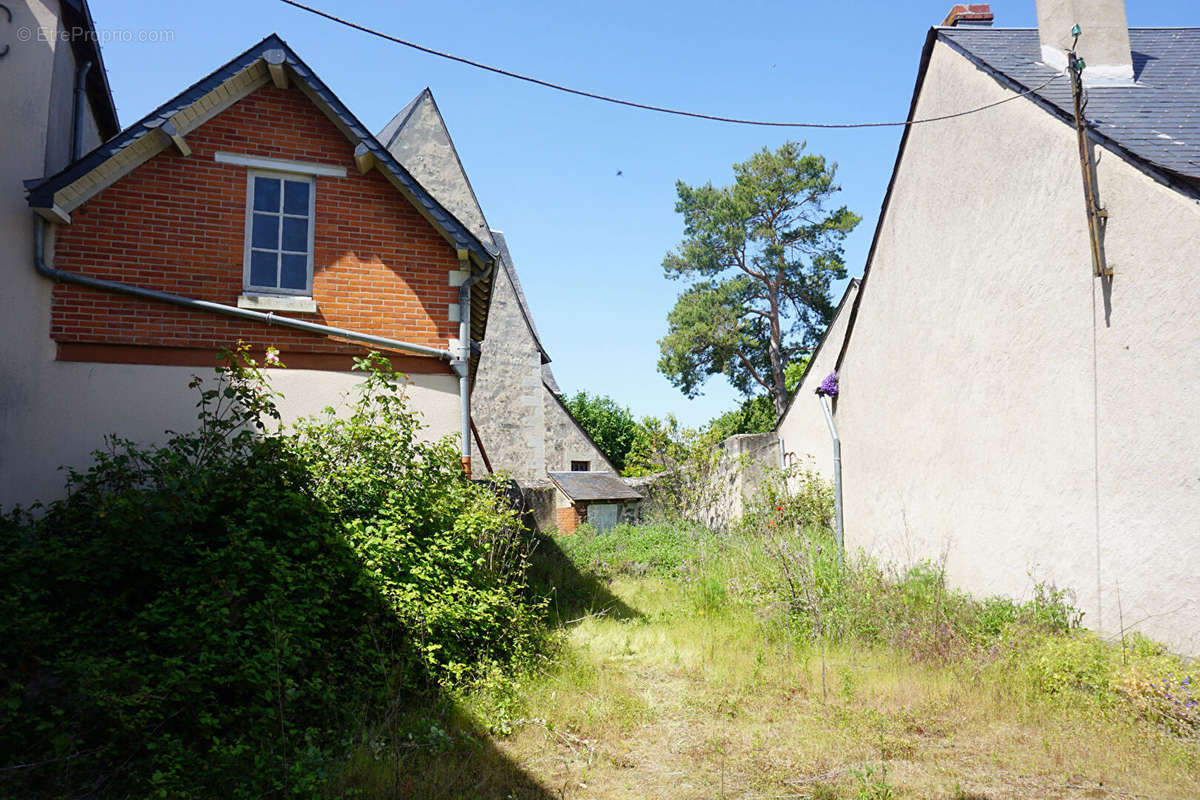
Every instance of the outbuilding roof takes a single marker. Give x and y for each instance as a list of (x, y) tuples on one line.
[(1156, 120), (591, 486)]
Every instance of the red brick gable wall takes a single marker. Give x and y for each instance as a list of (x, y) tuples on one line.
[(177, 224)]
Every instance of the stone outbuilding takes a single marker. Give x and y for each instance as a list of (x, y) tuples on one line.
[(600, 499)]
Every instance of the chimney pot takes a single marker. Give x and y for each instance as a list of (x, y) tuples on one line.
[(975, 14)]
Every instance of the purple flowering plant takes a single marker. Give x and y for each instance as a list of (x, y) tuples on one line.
[(829, 386)]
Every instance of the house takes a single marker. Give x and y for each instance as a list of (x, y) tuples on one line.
[(523, 426), (57, 104), (601, 499), (253, 206), (1018, 369)]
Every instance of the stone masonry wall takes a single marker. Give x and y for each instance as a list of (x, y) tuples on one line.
[(507, 402)]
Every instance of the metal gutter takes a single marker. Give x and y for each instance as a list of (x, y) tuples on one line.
[(60, 276)]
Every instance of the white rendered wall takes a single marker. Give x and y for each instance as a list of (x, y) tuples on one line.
[(989, 413), (805, 434), (70, 407)]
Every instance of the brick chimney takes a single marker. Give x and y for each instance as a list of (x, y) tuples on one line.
[(1103, 40), (977, 15)]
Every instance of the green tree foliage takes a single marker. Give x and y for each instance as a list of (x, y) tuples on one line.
[(611, 426), (659, 445), (794, 372), (759, 257), (229, 614), (755, 415)]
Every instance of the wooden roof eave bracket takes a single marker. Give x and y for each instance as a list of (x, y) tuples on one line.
[(275, 65), (171, 132), (364, 158)]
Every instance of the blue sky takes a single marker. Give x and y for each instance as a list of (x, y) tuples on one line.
[(588, 243)]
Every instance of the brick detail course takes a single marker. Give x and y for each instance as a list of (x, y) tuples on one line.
[(177, 224)]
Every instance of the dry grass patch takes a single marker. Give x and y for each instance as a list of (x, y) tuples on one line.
[(688, 702), (689, 679)]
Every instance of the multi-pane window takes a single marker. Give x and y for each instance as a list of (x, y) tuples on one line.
[(279, 233)]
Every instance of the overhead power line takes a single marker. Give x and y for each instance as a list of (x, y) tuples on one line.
[(644, 106)]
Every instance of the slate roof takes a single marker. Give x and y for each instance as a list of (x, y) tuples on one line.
[(41, 192), (549, 382), (1156, 121), (592, 486)]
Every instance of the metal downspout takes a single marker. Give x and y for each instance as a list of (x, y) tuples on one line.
[(462, 362), (59, 276), (80, 101), (837, 476)]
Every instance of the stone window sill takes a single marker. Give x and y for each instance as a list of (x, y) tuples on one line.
[(277, 302)]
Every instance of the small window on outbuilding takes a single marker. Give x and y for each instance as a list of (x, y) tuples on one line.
[(581, 466)]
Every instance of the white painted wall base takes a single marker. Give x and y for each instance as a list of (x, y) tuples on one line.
[(61, 412)]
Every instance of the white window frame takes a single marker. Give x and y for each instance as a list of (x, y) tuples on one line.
[(296, 177)]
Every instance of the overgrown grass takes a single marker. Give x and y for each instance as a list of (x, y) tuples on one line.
[(660, 548), (790, 576), (706, 673), (718, 700)]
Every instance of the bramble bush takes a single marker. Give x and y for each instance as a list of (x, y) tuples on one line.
[(226, 615)]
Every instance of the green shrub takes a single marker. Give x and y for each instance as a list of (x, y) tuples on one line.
[(446, 554), (226, 614), (788, 500)]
